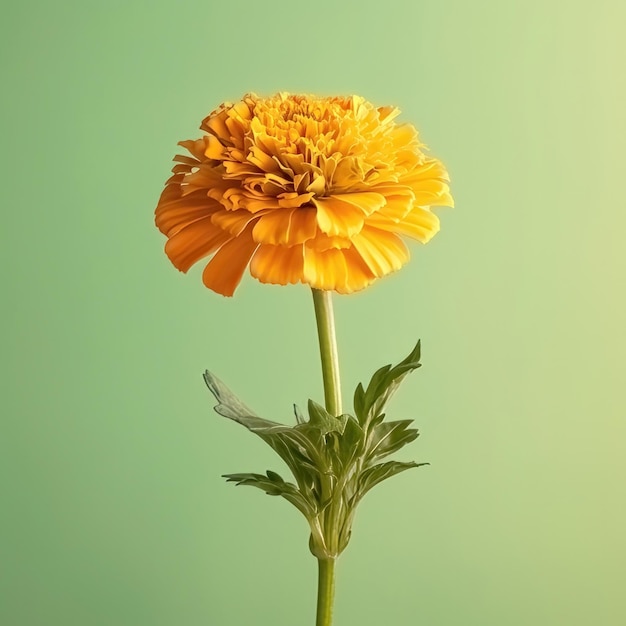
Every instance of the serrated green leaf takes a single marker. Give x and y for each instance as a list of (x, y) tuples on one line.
[(230, 405), (377, 473), (385, 438), (359, 400), (300, 453), (352, 442), (320, 418), (273, 485), (369, 403)]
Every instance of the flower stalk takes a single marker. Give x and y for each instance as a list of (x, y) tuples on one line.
[(325, 592), (325, 319)]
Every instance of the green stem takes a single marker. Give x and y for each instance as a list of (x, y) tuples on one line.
[(325, 592), (328, 350), (332, 396)]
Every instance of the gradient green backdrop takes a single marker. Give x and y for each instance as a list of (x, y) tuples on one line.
[(113, 511)]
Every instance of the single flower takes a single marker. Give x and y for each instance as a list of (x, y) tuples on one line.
[(320, 191)]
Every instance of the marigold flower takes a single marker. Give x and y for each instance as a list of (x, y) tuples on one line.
[(300, 189)]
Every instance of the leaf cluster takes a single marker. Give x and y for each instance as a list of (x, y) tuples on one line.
[(335, 460)]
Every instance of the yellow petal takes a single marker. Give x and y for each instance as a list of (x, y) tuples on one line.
[(286, 227), (242, 111), (279, 265), (343, 270), (303, 225), (366, 201), (338, 218), (419, 224), (359, 274), (290, 200), (395, 209), (323, 242), (325, 270), (262, 160), (429, 168), (382, 251), (236, 131), (431, 192)]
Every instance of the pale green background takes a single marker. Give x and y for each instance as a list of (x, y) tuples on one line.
[(113, 509)]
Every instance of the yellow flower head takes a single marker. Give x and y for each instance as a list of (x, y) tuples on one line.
[(302, 189)]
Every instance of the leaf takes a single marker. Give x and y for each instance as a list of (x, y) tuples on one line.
[(273, 485), (298, 451), (386, 438), (322, 419), (352, 442), (377, 473), (230, 405), (359, 401), (369, 403)]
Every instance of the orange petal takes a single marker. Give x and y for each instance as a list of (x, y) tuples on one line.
[(293, 200), (286, 227), (303, 225), (180, 158), (214, 149), (324, 242), (225, 269), (262, 160), (338, 218), (343, 270), (175, 211), (419, 224), (233, 221), (216, 125), (325, 270), (382, 251), (194, 242), (359, 274), (279, 265), (171, 218), (195, 146)]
